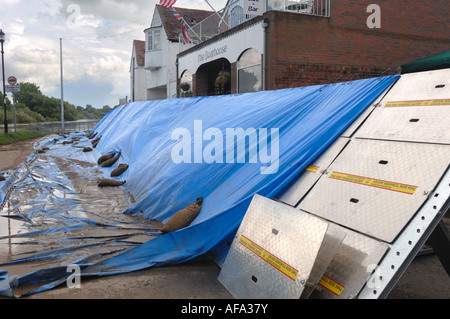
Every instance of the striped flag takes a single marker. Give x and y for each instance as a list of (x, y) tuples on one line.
[(184, 29), (185, 32), (176, 15), (167, 3)]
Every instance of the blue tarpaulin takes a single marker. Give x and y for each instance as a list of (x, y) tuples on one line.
[(225, 149)]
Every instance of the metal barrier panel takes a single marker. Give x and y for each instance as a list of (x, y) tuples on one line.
[(375, 187), (273, 252), (351, 266), (313, 172), (416, 110)]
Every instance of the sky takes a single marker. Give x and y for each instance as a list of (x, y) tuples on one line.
[(97, 38)]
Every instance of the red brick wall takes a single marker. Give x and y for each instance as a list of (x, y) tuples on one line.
[(304, 50), (422, 18)]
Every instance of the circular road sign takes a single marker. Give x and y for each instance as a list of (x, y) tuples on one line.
[(12, 80)]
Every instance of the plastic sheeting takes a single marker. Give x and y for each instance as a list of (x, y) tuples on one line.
[(288, 130)]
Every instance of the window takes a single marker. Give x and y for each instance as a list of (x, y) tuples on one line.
[(236, 16), (154, 39), (249, 72)]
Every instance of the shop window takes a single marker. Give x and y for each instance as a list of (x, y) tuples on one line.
[(249, 72)]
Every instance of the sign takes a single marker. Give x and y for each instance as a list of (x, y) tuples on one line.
[(12, 88), (269, 258), (392, 186), (12, 80), (418, 103), (254, 7), (211, 53)]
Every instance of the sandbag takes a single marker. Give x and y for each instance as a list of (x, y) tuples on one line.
[(104, 158), (110, 162), (103, 182), (184, 217), (87, 149), (119, 170), (95, 141)]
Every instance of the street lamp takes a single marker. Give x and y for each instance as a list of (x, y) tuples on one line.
[(2, 39)]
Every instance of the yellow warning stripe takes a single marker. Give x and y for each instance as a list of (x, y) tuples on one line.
[(392, 186), (418, 103), (269, 258), (331, 285), (312, 168)]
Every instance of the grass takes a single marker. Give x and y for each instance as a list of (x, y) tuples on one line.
[(14, 137)]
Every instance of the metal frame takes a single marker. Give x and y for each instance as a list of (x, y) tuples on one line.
[(405, 248)]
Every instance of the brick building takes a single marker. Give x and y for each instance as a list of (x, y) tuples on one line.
[(306, 42)]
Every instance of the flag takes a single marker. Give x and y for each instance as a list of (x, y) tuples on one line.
[(185, 32), (184, 29), (176, 15), (167, 3)]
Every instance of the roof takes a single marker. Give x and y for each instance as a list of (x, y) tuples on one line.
[(139, 49), (434, 62), (171, 24)]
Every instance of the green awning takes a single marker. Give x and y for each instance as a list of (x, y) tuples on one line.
[(435, 62)]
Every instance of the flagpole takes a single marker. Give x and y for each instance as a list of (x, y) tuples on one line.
[(62, 85)]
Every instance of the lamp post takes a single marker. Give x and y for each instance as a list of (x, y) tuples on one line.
[(2, 39)]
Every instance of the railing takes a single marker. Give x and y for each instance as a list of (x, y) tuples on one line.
[(233, 15), (56, 127), (319, 8)]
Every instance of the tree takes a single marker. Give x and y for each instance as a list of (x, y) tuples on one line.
[(37, 107), (30, 95)]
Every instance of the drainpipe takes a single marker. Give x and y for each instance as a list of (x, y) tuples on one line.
[(177, 84), (265, 25)]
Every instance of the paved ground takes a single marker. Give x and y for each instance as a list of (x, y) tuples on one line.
[(424, 279)]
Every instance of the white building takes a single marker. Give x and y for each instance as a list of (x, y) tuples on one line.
[(138, 89), (161, 49)]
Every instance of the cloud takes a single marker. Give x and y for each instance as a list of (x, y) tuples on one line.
[(97, 41)]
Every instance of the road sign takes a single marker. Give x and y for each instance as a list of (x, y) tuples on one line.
[(12, 88), (12, 80)]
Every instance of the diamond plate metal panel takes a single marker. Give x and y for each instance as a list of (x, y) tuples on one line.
[(375, 187), (307, 179), (332, 241), (273, 252), (351, 266), (416, 109)]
